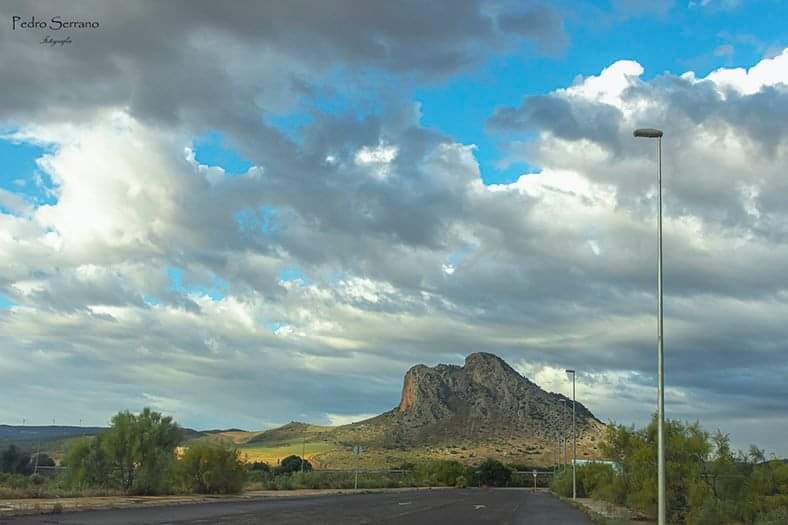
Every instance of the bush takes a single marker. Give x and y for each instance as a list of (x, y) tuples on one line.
[(37, 479), (14, 481), (493, 473), (15, 461), (42, 460), (709, 513), (329, 480), (562, 483), (461, 482), (211, 469), (775, 517), (258, 466), (438, 473), (293, 464)]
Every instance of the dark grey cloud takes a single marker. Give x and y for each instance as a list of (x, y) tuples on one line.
[(570, 120), (166, 61), (538, 22)]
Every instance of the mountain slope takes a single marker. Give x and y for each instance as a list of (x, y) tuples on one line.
[(482, 409)]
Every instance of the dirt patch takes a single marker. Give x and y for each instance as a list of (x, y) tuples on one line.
[(613, 512)]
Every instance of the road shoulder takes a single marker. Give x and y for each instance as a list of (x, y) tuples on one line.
[(31, 506)]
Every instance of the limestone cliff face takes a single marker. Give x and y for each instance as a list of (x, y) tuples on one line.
[(408, 392), (484, 397)]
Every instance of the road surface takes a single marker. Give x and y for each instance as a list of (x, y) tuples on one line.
[(424, 507)]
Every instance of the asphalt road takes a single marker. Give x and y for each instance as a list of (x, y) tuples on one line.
[(454, 507)]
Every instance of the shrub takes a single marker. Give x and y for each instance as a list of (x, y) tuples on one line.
[(461, 482), (15, 461), (258, 466), (438, 473), (562, 483), (775, 517), (493, 473), (293, 464), (211, 469), (42, 460), (709, 513), (37, 479)]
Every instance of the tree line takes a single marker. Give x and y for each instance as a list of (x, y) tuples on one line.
[(139, 454), (707, 482)]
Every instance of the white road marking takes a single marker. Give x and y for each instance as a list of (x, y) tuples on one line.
[(477, 507), (404, 503)]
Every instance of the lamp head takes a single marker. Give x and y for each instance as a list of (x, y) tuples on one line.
[(648, 133)]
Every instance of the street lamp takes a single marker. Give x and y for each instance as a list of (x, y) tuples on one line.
[(650, 133), (571, 373), (564, 455)]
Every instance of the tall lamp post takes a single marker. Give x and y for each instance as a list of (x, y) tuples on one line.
[(650, 133), (564, 455), (574, 437)]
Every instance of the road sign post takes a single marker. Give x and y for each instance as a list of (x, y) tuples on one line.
[(357, 451)]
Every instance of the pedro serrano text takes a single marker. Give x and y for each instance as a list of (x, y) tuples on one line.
[(56, 23)]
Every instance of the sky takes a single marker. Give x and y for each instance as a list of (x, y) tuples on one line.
[(242, 217)]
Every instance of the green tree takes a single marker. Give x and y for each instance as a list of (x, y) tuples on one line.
[(707, 482), (136, 454), (155, 438), (87, 464), (686, 449)]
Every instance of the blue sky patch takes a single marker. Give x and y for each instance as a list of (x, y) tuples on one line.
[(263, 220), (19, 173), (217, 289), (290, 124), (6, 302), (293, 275), (211, 149), (151, 300)]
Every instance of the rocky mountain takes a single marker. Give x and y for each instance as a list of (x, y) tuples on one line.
[(465, 413), (484, 398)]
